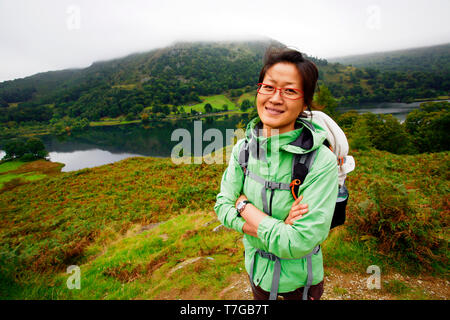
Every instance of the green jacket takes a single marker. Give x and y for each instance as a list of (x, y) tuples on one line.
[(319, 191)]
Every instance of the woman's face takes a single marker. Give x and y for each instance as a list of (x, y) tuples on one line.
[(275, 111)]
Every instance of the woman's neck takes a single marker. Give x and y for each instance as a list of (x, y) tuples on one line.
[(268, 131)]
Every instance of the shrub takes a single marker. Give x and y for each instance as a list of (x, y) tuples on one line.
[(399, 230), (429, 126), (384, 132)]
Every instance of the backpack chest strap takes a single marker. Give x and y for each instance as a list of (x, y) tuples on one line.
[(271, 185), (277, 271)]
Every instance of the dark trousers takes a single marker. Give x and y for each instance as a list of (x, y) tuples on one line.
[(314, 293)]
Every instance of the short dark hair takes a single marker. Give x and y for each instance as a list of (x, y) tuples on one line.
[(307, 69)]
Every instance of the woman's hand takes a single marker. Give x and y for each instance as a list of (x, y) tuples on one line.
[(297, 211)]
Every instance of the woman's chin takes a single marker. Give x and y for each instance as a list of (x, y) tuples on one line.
[(271, 120)]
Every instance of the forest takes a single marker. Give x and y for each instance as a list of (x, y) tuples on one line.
[(176, 76)]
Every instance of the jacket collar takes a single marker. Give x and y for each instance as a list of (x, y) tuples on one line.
[(304, 138)]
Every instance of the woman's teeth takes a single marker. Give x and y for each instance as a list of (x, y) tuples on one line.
[(274, 111)]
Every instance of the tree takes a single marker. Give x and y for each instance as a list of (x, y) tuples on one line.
[(325, 99), (144, 118), (26, 150), (429, 125), (208, 108), (387, 133), (245, 105)]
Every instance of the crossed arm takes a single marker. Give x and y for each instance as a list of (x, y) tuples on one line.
[(253, 216)]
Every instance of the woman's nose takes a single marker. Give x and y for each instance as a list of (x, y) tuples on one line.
[(276, 97)]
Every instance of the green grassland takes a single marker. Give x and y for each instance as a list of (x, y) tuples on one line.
[(216, 101), (111, 122), (10, 166), (250, 96), (13, 173), (142, 228)]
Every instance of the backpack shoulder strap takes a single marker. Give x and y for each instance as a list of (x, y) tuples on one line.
[(301, 164), (243, 156)]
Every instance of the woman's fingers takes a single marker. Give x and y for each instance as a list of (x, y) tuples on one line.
[(300, 206), (303, 207), (295, 213), (290, 221), (297, 201)]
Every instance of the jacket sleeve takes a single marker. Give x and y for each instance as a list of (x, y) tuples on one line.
[(230, 189), (319, 191)]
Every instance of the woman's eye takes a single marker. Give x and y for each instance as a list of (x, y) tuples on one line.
[(289, 91), (267, 87)]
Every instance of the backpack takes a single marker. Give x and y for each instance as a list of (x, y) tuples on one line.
[(301, 163)]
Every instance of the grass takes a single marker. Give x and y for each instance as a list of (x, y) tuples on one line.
[(129, 225), (4, 178), (15, 173), (216, 101), (248, 95), (111, 122), (10, 165), (125, 86)]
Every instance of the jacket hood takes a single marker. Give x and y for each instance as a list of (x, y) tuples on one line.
[(295, 141)]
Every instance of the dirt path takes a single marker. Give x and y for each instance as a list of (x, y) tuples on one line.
[(353, 286)]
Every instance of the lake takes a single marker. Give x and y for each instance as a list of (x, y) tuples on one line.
[(397, 109), (102, 145), (97, 146)]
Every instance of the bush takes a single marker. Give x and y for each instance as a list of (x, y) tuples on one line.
[(359, 138), (399, 231), (429, 126), (384, 132)]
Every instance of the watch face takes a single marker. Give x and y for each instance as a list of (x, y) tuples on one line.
[(241, 206)]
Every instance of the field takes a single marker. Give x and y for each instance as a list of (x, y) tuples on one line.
[(144, 228), (216, 101), (19, 172)]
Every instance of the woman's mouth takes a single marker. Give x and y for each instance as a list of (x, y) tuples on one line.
[(273, 111)]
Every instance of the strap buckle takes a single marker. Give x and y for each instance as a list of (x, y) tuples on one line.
[(272, 185), (268, 255)]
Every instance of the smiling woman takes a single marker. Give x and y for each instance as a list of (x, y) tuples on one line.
[(282, 236)]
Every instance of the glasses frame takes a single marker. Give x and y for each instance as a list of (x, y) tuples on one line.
[(281, 92)]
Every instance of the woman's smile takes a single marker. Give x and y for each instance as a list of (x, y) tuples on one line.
[(273, 111)]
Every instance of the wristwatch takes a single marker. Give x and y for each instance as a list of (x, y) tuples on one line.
[(241, 206)]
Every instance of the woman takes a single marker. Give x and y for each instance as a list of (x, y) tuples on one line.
[(281, 235)]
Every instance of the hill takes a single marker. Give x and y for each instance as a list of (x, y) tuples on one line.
[(144, 228), (423, 59), (185, 74)]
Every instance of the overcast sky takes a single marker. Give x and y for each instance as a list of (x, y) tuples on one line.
[(43, 35)]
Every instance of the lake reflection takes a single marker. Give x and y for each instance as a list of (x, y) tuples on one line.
[(77, 160), (102, 145), (397, 109)]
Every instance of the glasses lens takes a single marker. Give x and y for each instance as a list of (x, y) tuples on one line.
[(290, 93), (266, 89), (285, 92)]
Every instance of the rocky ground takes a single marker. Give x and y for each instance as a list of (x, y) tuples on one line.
[(352, 286)]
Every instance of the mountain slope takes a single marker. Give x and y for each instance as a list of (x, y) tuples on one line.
[(144, 228), (425, 59), (180, 74)]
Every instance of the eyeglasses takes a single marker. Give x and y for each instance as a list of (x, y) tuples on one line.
[(288, 93)]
